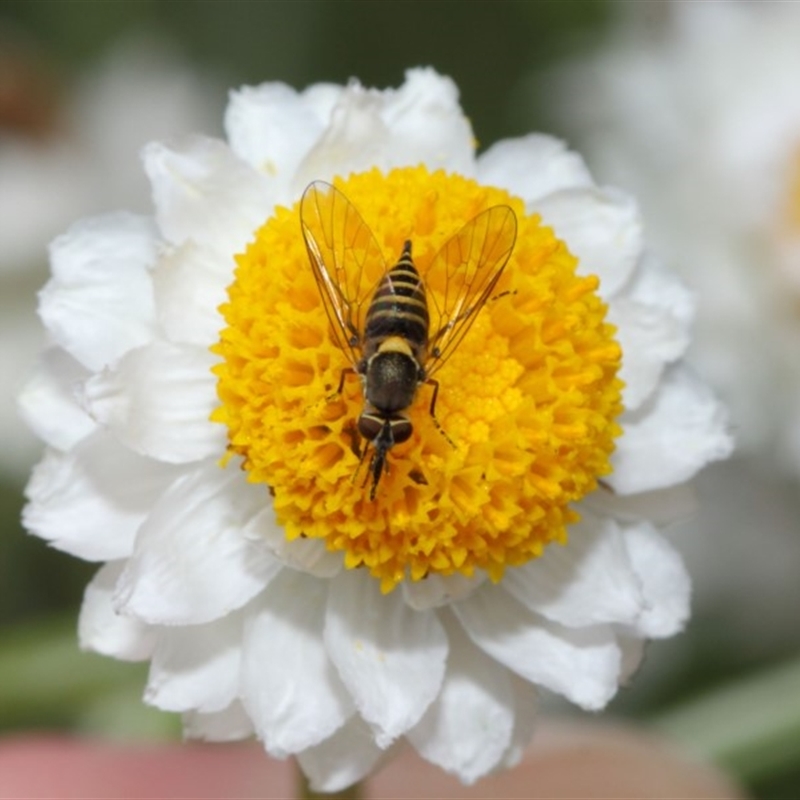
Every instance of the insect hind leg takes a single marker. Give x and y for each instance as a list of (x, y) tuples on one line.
[(432, 410)]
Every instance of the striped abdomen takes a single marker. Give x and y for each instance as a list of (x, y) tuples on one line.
[(398, 308)]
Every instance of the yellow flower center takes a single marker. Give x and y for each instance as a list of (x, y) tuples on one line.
[(528, 400)]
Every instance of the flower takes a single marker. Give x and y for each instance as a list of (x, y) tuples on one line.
[(701, 118), (199, 446), (75, 157)]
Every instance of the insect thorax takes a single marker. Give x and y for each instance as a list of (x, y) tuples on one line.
[(391, 379)]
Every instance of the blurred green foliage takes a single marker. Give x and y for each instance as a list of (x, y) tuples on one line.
[(489, 47)]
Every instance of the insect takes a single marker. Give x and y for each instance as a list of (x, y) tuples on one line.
[(395, 334)]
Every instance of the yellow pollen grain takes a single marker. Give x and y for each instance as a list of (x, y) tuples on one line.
[(529, 399)]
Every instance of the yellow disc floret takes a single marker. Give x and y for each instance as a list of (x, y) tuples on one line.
[(529, 399)]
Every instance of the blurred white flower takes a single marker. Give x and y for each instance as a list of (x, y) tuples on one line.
[(698, 112), (255, 589), (79, 157)]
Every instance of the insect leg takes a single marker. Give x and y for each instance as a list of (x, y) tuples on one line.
[(361, 460), (506, 293), (435, 384), (345, 372), (377, 465)]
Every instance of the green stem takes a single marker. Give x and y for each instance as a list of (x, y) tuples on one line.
[(750, 727), (355, 792)]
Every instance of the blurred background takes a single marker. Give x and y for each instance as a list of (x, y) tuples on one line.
[(692, 106)]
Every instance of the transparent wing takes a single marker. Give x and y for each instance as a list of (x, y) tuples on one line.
[(346, 260), (464, 274)]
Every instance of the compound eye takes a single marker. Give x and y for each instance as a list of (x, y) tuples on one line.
[(369, 427), (401, 430)]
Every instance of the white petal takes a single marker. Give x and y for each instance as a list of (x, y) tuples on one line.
[(47, 400), (306, 555), (421, 122), (650, 338), (679, 430), (666, 584), (467, 728), (343, 759), (289, 685), (196, 667), (532, 167), (391, 658), (440, 590), (355, 139), (204, 193), (195, 558), (660, 506), (654, 285), (653, 317), (272, 127), (602, 227), (632, 648), (99, 302), (311, 556), (229, 725), (103, 630), (321, 98), (158, 401), (583, 664), (91, 501), (588, 581), (189, 285), (526, 708), (428, 124)]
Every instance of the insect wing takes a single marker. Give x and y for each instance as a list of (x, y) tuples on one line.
[(464, 273), (345, 258)]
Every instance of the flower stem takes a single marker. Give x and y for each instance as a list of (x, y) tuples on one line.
[(750, 727), (355, 792)]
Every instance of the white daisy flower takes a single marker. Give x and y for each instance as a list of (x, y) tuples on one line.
[(700, 116), (199, 447)]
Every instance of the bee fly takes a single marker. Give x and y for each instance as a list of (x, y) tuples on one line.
[(384, 325)]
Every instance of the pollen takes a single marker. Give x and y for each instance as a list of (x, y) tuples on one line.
[(525, 413)]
